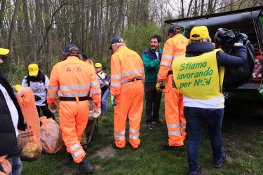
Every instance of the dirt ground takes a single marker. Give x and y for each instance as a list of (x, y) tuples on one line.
[(105, 152)]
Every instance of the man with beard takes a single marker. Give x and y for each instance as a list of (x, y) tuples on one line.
[(151, 62)]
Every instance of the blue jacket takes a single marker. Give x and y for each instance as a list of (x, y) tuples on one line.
[(223, 59), (151, 64)]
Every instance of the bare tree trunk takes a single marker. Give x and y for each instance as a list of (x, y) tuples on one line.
[(182, 8), (13, 28), (38, 30), (202, 7), (101, 31), (211, 6), (189, 9), (195, 12), (22, 39), (88, 45), (49, 40), (27, 27), (95, 30), (231, 5), (83, 26), (92, 25), (108, 24), (2, 11), (120, 18), (145, 11)]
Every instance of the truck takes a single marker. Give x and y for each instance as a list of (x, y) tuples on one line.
[(245, 97)]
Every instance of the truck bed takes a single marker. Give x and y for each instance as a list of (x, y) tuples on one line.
[(245, 87)]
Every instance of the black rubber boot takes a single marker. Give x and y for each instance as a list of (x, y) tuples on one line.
[(168, 147), (84, 167), (69, 159)]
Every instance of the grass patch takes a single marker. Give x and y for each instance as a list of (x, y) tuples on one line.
[(242, 142)]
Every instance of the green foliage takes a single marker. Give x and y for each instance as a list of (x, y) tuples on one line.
[(137, 37), (15, 73), (8, 13), (105, 66)]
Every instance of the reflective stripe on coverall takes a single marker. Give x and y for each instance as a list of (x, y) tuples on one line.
[(73, 78), (127, 76), (175, 120)]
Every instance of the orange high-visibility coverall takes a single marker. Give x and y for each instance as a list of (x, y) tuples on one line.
[(176, 123), (127, 76), (75, 79)]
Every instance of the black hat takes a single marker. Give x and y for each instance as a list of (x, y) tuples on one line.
[(71, 48), (173, 27), (116, 39)]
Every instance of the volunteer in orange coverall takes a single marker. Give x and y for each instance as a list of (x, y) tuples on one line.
[(73, 81), (87, 60), (176, 124), (127, 77)]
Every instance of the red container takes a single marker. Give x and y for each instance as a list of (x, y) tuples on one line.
[(258, 68)]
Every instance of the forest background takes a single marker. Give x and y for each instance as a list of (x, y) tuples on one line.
[(36, 31)]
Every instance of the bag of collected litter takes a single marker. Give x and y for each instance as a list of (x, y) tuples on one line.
[(5, 166), (50, 136), (29, 142), (225, 39)]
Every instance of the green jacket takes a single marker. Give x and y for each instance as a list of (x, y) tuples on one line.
[(151, 64)]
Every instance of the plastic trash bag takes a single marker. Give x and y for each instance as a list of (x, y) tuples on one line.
[(50, 136), (5, 166), (29, 142), (225, 39)]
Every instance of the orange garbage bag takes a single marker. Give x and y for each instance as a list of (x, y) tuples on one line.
[(50, 136), (29, 142), (6, 167)]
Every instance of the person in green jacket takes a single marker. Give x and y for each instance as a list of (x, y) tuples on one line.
[(151, 61)]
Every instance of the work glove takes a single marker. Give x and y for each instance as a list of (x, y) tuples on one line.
[(111, 99), (53, 107), (158, 87), (97, 112), (241, 39), (106, 83)]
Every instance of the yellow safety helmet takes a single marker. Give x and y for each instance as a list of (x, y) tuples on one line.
[(98, 65), (33, 69), (4, 51)]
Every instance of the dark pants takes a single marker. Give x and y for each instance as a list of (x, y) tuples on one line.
[(153, 100), (46, 112), (195, 117), (104, 99)]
